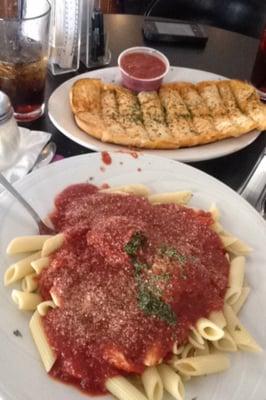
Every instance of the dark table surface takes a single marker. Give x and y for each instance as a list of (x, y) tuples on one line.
[(226, 53)]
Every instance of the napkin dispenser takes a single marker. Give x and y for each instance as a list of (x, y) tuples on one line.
[(65, 35), (94, 50)]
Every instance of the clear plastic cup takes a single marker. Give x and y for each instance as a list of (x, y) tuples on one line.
[(23, 58), (141, 81)]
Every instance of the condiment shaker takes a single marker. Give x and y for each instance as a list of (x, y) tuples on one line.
[(9, 133)]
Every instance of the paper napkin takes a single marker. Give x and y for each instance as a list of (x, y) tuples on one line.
[(31, 144)]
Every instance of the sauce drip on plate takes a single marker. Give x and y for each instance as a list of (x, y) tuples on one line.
[(106, 158), (130, 279)]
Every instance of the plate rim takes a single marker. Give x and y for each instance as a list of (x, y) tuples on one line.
[(196, 157)]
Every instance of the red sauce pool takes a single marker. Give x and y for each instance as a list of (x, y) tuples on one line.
[(100, 329), (142, 65)]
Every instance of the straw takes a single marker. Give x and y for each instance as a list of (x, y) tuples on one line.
[(20, 17), (20, 8)]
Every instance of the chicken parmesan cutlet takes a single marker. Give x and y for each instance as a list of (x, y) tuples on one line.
[(130, 280)]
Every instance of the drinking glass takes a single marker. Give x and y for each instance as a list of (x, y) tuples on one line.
[(258, 76), (23, 57)]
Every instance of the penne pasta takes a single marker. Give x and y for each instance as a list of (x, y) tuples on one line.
[(47, 355), (122, 389), (152, 383), (188, 350), (241, 336), (177, 349), (195, 338), (217, 227), (241, 300), (209, 330), (20, 269), (184, 378), (226, 343), (239, 248), (217, 317), (235, 246), (45, 306), (232, 294), (52, 244), (172, 197), (237, 271), (172, 362), (203, 365), (173, 359), (29, 283), (136, 189), (235, 279), (202, 352), (171, 381), (25, 301), (227, 239), (39, 264), (55, 298), (213, 350), (215, 212), (26, 244)]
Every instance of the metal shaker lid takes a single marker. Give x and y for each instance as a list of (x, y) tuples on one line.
[(6, 109)]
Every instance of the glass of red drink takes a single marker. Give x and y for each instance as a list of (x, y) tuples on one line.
[(23, 58), (258, 76)]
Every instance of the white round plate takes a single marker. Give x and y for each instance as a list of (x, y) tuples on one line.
[(22, 376), (61, 115)]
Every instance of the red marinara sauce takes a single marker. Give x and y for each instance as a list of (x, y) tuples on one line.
[(142, 65), (130, 279), (106, 158)]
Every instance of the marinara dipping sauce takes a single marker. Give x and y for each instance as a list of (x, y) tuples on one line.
[(143, 65), (142, 68)]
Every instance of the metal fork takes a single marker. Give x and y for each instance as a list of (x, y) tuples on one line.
[(43, 227)]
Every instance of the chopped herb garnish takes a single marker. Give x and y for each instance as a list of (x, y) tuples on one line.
[(140, 266), (149, 295), (161, 277), (152, 305), (155, 290), (172, 253), (17, 333), (136, 241)]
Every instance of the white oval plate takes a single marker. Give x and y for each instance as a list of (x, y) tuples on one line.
[(61, 115), (22, 376)]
